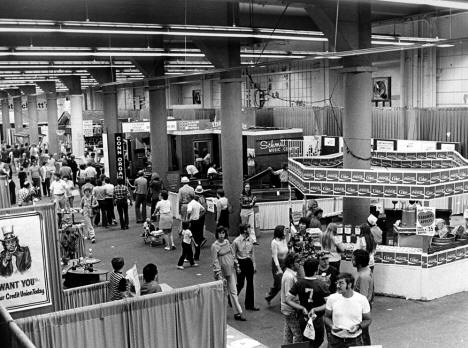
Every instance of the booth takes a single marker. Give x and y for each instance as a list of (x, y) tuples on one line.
[(416, 264)]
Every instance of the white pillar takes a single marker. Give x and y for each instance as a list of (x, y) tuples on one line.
[(76, 123)]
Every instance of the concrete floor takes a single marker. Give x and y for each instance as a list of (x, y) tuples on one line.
[(396, 322)]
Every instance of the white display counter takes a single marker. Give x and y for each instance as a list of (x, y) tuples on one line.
[(418, 276)]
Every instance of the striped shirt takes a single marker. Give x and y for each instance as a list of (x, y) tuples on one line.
[(114, 279)]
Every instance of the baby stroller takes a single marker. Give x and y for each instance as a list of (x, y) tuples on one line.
[(152, 236)]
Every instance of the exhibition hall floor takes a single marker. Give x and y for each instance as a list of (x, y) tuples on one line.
[(397, 323)]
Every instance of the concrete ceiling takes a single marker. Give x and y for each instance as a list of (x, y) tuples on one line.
[(241, 13)]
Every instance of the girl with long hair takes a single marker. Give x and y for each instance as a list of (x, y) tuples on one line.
[(279, 251), (367, 242), (330, 243)]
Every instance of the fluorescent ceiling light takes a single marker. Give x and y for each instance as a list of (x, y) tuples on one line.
[(460, 5), (110, 28), (393, 43), (445, 45)]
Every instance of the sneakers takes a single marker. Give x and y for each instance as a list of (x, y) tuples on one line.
[(93, 241), (167, 248), (173, 247), (240, 317), (180, 267), (194, 265)]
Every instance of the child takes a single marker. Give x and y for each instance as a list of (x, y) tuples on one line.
[(148, 227), (88, 202), (150, 276), (187, 252), (123, 288), (115, 277)]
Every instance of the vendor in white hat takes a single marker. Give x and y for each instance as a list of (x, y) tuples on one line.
[(375, 230), (185, 192)]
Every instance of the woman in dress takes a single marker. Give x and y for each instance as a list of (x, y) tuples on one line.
[(367, 242), (222, 209), (225, 267), (247, 203), (330, 242), (279, 250), (164, 209)]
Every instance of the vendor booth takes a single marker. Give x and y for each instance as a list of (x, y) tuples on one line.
[(420, 260)]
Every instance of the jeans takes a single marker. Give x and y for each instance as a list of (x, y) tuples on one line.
[(246, 273), (154, 201), (110, 210), (292, 332), (140, 207), (276, 280), (103, 211), (337, 342), (46, 187), (122, 209), (248, 218), (88, 227)]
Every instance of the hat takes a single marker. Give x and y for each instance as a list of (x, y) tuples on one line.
[(26, 183), (323, 253), (141, 172), (465, 214), (199, 189), (372, 220), (8, 232), (184, 180)]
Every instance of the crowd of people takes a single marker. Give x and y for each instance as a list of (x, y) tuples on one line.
[(305, 260)]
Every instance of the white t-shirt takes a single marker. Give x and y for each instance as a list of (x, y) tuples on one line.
[(193, 208), (187, 236), (164, 206), (347, 312)]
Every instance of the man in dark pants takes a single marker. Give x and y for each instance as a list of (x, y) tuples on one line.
[(194, 211), (121, 196), (243, 250), (141, 191)]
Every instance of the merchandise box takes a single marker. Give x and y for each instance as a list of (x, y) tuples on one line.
[(414, 259)]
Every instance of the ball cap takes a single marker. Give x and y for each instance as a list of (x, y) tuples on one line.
[(323, 254), (184, 180), (372, 220), (199, 189)]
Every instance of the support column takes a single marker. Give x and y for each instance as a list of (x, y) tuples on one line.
[(73, 84), (52, 114), (18, 112), (5, 116), (158, 129), (357, 130), (76, 123), (30, 91), (111, 126), (231, 143)]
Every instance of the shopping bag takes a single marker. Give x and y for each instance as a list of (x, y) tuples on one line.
[(309, 330)]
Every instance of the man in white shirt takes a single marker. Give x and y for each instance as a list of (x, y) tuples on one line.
[(58, 188), (90, 172), (194, 211), (346, 313)]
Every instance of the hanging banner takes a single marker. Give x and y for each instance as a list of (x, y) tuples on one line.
[(120, 155), (88, 128), (425, 221), (24, 281)]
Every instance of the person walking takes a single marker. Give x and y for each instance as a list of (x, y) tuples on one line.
[(58, 189), (99, 193), (244, 253), (187, 251), (46, 175), (36, 177), (121, 196), (194, 211), (88, 203), (332, 243), (155, 186), (109, 188), (183, 197), (279, 251), (364, 284), (166, 219), (346, 313), (247, 202), (224, 267), (222, 209), (141, 191), (367, 242)]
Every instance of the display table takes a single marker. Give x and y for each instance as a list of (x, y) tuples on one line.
[(412, 274), (81, 277)]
